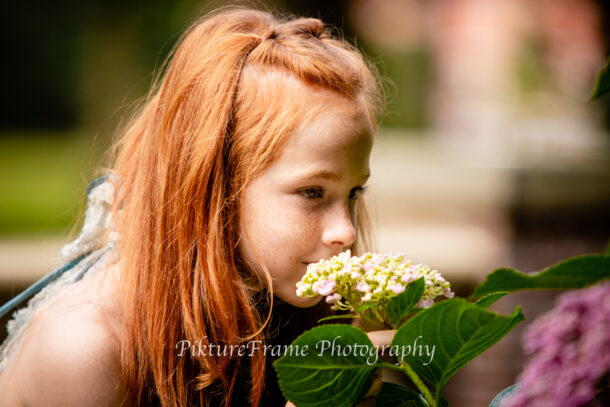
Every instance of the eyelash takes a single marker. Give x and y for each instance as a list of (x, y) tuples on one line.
[(319, 191)]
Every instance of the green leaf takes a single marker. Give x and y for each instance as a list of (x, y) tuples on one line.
[(338, 317), (488, 300), (439, 341), (401, 305), (573, 273), (395, 395), (606, 251), (319, 372), (602, 84)]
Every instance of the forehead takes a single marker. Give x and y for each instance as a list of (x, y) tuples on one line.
[(323, 129), (337, 140)]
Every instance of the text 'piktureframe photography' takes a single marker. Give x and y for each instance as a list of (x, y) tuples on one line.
[(322, 348)]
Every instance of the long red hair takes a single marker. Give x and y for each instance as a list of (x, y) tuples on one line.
[(182, 164)]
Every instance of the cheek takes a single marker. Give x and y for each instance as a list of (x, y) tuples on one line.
[(284, 217), (279, 229), (300, 229)]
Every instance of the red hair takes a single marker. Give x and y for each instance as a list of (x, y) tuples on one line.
[(183, 162)]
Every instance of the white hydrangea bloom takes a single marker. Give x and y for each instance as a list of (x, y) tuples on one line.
[(350, 281)]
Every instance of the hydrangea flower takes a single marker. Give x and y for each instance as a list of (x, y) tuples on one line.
[(371, 280), (570, 352)]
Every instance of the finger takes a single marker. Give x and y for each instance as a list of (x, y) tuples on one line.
[(376, 384), (367, 402), (382, 338)]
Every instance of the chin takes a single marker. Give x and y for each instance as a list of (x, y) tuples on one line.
[(302, 302)]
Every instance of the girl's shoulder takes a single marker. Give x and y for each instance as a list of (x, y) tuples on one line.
[(69, 352)]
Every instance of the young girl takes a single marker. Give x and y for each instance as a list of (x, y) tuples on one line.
[(245, 164)]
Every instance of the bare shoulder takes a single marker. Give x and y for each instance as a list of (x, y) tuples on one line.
[(68, 356)]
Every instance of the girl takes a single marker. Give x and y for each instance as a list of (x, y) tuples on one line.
[(245, 164)]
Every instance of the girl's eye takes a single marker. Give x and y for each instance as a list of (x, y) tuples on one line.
[(355, 193), (312, 193)]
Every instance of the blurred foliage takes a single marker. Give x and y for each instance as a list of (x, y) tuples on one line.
[(71, 71), (410, 75), (602, 84), (39, 43), (67, 62), (43, 177), (529, 68)]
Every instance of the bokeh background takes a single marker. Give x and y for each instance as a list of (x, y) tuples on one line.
[(490, 153)]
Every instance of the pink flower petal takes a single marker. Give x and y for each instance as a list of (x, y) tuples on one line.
[(326, 287)]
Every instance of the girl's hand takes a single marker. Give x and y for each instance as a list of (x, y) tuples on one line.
[(383, 338), (379, 339)]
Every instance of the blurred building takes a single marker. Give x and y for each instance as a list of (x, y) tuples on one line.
[(513, 168)]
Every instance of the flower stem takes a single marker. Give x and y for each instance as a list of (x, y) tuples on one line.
[(379, 317), (414, 378), (372, 321), (419, 383)]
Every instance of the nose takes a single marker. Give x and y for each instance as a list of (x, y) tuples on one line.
[(339, 229)]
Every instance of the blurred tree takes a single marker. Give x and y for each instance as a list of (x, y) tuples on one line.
[(55, 55)]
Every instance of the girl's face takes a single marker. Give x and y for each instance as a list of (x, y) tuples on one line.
[(302, 208)]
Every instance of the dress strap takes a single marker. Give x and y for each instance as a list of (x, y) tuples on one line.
[(54, 275), (39, 285)]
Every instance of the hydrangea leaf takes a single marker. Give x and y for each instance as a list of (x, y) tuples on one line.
[(327, 374), (395, 395), (439, 341), (488, 300), (573, 273), (602, 84), (401, 305)]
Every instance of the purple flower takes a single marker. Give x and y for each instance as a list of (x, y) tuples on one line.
[(397, 288), (569, 351)]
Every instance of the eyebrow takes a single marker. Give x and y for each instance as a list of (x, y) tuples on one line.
[(328, 175)]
